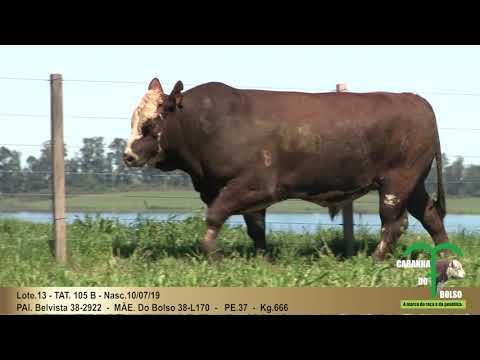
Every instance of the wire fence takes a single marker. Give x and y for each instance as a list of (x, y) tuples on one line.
[(137, 173), (287, 226), (110, 117), (442, 92)]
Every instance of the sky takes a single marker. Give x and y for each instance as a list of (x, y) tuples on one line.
[(447, 76)]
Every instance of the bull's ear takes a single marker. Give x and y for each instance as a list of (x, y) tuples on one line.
[(155, 85), (176, 93)]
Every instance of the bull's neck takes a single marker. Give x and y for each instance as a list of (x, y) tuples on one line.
[(186, 156)]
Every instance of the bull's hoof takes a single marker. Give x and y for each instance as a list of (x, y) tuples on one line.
[(212, 252), (207, 248), (379, 256), (262, 253), (215, 256)]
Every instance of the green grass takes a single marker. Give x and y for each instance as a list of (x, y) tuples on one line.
[(107, 253), (187, 200)]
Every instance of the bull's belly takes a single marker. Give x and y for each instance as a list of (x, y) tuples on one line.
[(257, 207), (330, 199), (338, 203)]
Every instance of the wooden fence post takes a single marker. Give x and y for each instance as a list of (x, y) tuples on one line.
[(58, 184), (347, 211)]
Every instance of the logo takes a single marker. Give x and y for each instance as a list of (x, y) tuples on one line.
[(440, 271), (454, 268)]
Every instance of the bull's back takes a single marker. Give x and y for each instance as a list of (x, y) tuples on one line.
[(347, 136), (343, 140), (325, 110)]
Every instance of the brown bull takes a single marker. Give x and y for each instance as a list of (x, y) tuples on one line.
[(248, 149)]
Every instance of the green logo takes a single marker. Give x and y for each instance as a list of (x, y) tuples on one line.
[(433, 261)]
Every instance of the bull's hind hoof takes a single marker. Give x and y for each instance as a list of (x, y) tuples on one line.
[(215, 256), (261, 253), (379, 256), (382, 251)]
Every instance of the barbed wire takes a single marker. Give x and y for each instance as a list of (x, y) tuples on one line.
[(27, 194), (23, 78), (442, 92), (110, 117), (174, 176), (46, 144), (27, 172), (80, 147), (233, 222)]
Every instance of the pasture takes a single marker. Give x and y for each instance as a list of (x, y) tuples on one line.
[(108, 253), (188, 200)]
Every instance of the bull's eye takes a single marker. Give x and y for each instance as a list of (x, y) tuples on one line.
[(146, 129)]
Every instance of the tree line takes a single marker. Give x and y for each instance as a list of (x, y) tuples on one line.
[(97, 167), (459, 180)]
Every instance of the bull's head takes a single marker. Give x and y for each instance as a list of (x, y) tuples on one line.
[(147, 142), (455, 270)]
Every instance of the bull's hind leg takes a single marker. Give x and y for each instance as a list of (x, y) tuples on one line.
[(256, 228), (394, 220), (421, 206)]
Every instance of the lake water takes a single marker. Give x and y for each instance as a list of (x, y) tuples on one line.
[(300, 223)]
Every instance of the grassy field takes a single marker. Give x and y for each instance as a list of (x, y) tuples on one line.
[(106, 253), (189, 201)]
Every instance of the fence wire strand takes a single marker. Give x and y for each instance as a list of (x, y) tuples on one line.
[(442, 92)]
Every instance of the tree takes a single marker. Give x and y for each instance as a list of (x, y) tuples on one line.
[(92, 161), (454, 177), (472, 180), (39, 171), (11, 177), (72, 169), (117, 147)]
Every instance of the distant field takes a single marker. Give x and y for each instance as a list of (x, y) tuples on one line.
[(178, 200)]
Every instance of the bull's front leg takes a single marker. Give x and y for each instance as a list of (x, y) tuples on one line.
[(237, 197)]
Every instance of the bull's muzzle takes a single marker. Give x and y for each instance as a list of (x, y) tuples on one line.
[(128, 159)]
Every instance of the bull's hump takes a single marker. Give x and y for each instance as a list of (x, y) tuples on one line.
[(212, 85)]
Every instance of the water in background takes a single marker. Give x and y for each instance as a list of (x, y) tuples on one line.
[(300, 223)]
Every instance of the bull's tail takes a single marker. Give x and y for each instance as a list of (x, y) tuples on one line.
[(440, 202)]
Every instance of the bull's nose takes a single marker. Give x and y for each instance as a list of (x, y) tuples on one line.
[(128, 159)]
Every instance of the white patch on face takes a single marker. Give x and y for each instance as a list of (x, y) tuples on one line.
[(147, 109), (159, 136), (160, 154), (455, 270), (391, 200)]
